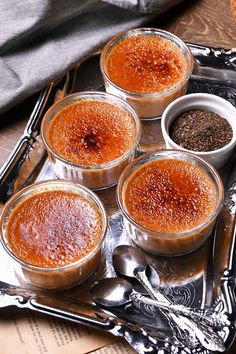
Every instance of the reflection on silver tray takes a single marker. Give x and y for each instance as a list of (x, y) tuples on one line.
[(195, 280)]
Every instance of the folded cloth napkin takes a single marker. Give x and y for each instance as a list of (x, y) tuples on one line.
[(42, 39)]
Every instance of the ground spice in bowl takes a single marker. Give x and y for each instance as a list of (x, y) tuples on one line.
[(200, 130)]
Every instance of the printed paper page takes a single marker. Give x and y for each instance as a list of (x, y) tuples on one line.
[(28, 332)]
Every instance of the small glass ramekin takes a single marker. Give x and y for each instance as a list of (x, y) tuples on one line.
[(147, 105), (92, 176), (169, 243), (63, 276)]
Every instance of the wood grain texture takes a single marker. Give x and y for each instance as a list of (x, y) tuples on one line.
[(12, 125), (208, 22), (9, 135), (233, 8)]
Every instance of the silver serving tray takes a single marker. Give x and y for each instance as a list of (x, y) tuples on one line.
[(196, 280)]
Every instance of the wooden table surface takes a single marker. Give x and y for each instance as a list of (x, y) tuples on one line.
[(209, 22)]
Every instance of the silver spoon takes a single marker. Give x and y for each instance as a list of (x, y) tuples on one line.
[(131, 262), (112, 292), (117, 292)]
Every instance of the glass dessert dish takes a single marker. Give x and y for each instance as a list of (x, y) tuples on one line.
[(90, 138), (148, 68), (208, 103), (170, 200), (53, 231)]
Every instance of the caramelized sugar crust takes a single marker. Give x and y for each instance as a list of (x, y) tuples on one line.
[(169, 196), (91, 132), (53, 228), (146, 64)]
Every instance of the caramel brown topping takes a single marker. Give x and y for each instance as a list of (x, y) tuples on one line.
[(146, 64), (91, 132), (169, 196), (53, 228)]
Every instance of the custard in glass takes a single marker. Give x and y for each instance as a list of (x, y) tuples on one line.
[(54, 230), (90, 138), (91, 132), (170, 201), (147, 67), (146, 64), (170, 196)]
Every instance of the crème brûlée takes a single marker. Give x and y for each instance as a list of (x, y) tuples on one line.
[(53, 229), (91, 132), (146, 64), (170, 196), (54, 234)]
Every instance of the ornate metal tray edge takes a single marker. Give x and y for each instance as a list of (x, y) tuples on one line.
[(26, 161)]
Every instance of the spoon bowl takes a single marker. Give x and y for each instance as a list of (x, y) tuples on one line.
[(111, 292), (129, 260)]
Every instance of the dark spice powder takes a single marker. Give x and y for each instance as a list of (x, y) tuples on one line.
[(200, 130)]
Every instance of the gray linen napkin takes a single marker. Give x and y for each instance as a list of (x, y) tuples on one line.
[(41, 39)]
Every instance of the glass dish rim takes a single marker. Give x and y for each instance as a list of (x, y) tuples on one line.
[(105, 165), (9, 206), (167, 35), (173, 235)]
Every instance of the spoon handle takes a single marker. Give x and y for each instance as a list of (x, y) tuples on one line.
[(183, 333), (156, 295), (205, 334), (209, 339), (209, 317)]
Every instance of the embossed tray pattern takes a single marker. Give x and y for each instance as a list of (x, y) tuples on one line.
[(196, 280)]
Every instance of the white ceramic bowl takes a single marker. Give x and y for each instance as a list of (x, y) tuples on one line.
[(208, 102)]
